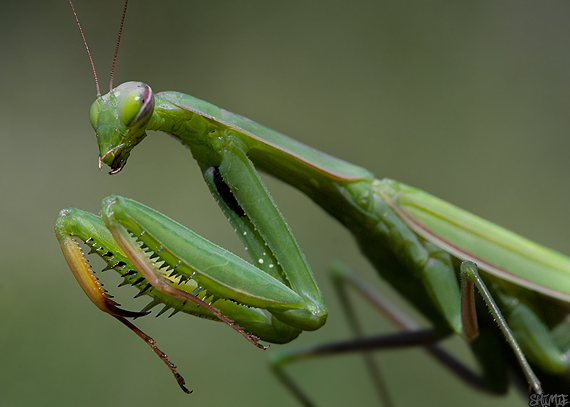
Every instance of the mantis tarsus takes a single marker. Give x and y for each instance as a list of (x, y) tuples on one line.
[(396, 226)]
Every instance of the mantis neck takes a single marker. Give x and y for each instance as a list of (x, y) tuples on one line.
[(333, 184)]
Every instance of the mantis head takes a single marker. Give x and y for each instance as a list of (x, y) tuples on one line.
[(119, 119)]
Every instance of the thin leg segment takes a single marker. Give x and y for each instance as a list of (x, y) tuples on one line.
[(411, 336), (470, 278), (337, 271)]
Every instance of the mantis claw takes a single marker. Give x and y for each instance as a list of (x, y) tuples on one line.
[(90, 284)]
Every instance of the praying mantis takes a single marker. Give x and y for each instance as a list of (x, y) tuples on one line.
[(331, 183)]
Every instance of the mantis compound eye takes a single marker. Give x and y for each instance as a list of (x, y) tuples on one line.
[(137, 105), (94, 113)]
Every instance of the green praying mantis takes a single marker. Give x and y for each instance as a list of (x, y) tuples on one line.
[(420, 244)]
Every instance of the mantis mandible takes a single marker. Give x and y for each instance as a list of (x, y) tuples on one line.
[(417, 242)]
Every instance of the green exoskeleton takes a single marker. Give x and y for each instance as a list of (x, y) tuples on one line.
[(424, 247), (416, 241)]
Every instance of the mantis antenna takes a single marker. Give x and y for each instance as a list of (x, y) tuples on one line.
[(87, 48), (117, 48), (89, 53)]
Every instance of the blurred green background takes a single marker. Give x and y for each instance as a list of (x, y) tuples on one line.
[(467, 100)]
